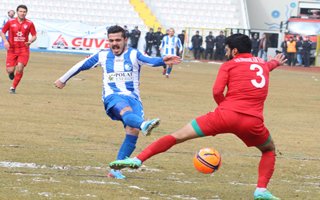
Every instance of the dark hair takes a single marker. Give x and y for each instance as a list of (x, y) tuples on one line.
[(117, 29), (239, 41), (22, 6)]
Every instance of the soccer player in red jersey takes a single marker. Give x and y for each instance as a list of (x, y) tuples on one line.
[(18, 44), (239, 111)]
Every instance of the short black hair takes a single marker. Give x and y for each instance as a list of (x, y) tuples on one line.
[(239, 41), (22, 6), (117, 29)]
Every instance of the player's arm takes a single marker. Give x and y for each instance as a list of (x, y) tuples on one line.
[(162, 44), (34, 35), (276, 61), (33, 38), (180, 46), (5, 28), (220, 84), (85, 64)]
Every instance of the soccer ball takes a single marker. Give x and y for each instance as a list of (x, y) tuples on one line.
[(207, 160)]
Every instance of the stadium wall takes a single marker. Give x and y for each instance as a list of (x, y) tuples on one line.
[(267, 15)]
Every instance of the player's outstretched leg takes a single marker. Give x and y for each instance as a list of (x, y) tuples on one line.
[(148, 126)]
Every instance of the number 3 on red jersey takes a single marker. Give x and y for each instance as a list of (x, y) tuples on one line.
[(259, 73)]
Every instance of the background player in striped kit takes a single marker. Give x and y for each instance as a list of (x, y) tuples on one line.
[(121, 79), (169, 46)]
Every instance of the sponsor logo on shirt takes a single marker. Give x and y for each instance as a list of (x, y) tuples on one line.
[(19, 37), (119, 77)]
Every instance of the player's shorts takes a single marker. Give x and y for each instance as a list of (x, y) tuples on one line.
[(249, 129), (13, 58), (114, 103)]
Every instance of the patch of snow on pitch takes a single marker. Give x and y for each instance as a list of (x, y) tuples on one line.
[(184, 197), (50, 180), (8, 164), (135, 187), (18, 165), (239, 183), (45, 194), (99, 182)]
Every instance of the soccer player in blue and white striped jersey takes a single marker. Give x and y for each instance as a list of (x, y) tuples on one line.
[(169, 45), (121, 79)]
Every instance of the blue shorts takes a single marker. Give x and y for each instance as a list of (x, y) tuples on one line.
[(114, 103)]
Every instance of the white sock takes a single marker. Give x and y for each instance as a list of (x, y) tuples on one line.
[(261, 189)]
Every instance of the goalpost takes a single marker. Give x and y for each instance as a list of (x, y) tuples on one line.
[(317, 62)]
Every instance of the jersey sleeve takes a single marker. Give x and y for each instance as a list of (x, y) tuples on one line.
[(6, 26), (220, 84), (85, 64), (272, 64), (33, 30), (151, 61)]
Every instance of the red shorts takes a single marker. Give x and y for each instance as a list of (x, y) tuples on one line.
[(14, 58), (249, 129)]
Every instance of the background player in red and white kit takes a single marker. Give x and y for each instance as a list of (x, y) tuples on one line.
[(18, 44), (239, 111)]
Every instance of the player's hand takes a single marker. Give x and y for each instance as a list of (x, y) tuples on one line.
[(28, 43), (280, 58), (59, 84), (7, 45), (171, 60)]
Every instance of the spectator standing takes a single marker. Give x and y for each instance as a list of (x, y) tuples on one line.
[(126, 31), (263, 47), (306, 50), (209, 46), (134, 37), (169, 45), (220, 44), (181, 36), (157, 41), (196, 41), (299, 50), (284, 47), (149, 41), (291, 51), (18, 45), (255, 45)]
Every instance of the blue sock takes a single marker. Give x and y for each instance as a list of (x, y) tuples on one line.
[(127, 147), (131, 119), (169, 70)]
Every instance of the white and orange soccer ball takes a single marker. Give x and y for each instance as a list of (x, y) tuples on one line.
[(207, 160)]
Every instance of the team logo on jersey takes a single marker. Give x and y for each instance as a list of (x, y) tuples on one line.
[(128, 67), (25, 26)]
